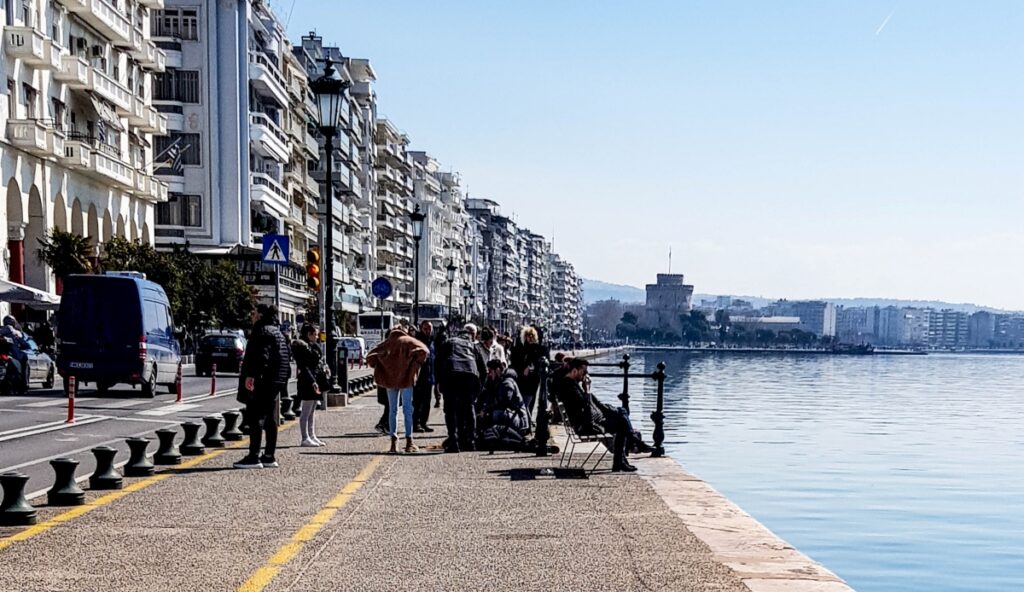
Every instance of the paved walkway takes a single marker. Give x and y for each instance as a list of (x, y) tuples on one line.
[(347, 517)]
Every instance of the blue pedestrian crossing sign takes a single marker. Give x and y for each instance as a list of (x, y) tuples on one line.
[(275, 249)]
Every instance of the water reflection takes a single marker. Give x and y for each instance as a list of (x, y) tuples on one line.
[(897, 473)]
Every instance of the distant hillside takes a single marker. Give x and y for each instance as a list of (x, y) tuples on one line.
[(595, 290)]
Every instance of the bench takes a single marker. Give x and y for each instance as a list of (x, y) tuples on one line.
[(572, 439)]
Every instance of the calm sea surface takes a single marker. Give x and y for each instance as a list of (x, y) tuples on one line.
[(897, 473)]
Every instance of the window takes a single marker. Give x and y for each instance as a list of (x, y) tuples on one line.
[(59, 113), (31, 97), (182, 23), (180, 210), (12, 99), (177, 85), (189, 147)]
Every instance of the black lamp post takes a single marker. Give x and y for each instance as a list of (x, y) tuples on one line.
[(329, 90), (451, 280), (416, 217)]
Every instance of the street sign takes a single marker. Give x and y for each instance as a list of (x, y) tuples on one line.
[(381, 288), (275, 249)]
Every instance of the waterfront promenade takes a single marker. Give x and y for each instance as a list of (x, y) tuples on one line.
[(349, 517)]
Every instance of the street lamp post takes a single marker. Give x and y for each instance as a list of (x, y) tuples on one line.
[(416, 217), (467, 293), (329, 90), (451, 281)]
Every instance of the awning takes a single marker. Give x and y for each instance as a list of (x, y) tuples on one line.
[(16, 293), (106, 114), (138, 139)]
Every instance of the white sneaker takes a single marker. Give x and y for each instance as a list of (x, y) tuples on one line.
[(319, 442), (308, 443)]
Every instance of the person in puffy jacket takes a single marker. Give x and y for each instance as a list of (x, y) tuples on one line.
[(266, 369), (460, 369), (313, 376), (396, 363), (501, 405)]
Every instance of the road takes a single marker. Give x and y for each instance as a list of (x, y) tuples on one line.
[(33, 429)]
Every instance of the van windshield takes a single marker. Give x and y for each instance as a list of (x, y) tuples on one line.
[(95, 312)]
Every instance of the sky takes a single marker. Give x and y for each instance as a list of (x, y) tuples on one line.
[(797, 148)]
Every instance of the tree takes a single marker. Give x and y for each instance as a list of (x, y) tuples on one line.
[(629, 318), (65, 253)]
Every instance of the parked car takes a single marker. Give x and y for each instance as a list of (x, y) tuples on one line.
[(223, 348), (41, 367), (116, 328)]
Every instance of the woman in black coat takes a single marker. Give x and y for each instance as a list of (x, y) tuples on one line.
[(312, 378), (526, 357)]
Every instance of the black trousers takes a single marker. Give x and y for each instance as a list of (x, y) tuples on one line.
[(382, 398), (263, 413), (616, 422), (528, 386), (460, 393), (421, 400)]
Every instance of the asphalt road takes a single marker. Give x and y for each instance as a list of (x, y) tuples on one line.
[(33, 429)]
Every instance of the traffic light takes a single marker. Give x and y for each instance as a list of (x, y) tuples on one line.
[(313, 268)]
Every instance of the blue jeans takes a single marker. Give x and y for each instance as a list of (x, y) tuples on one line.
[(406, 410)]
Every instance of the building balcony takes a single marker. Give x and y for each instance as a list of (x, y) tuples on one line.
[(77, 154), (109, 20), (142, 182), (312, 187), (55, 143), (267, 138), (75, 72), (266, 78), (154, 58), (138, 116), (29, 135), (156, 122), (154, 4), (113, 168), (158, 190), (113, 91), (311, 145), (137, 49), (269, 192), (28, 45), (172, 51)]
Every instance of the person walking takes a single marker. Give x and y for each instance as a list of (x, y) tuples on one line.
[(396, 363), (460, 370), (424, 389), (266, 368), (313, 378)]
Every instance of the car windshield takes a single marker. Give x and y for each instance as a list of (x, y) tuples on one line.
[(219, 341)]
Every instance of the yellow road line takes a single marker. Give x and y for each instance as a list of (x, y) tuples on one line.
[(113, 496), (263, 576)]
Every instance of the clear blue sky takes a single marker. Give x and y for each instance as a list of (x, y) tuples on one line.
[(795, 148)]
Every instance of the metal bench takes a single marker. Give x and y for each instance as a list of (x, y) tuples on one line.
[(572, 439)]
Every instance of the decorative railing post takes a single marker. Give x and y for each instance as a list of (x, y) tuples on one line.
[(542, 410), (624, 397), (658, 417)]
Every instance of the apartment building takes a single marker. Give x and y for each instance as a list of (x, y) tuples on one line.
[(565, 300), (394, 169), (353, 175), (78, 126), (947, 329), (439, 196), (238, 106), (536, 273), (501, 244), (816, 316)]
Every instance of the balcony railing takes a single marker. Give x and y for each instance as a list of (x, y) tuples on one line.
[(113, 168), (75, 72), (112, 90), (27, 44), (77, 154), (110, 20), (28, 134)]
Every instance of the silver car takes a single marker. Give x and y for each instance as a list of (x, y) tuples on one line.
[(41, 367)]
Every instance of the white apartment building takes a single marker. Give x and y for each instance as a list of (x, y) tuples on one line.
[(394, 169), (565, 300), (439, 197), (77, 126), (237, 108), (536, 274)]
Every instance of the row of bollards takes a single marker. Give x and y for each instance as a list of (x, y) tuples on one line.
[(16, 511)]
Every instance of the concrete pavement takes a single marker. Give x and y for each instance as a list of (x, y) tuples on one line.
[(347, 517)]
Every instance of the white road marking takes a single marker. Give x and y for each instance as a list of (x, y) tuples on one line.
[(55, 402), (80, 421), (118, 404), (167, 409)]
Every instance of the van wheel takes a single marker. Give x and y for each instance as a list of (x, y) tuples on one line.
[(149, 387), (48, 383)]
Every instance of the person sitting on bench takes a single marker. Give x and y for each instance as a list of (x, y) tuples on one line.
[(590, 417)]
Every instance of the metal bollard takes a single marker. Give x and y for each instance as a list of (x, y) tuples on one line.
[(658, 417), (191, 446), (65, 492), (213, 379), (213, 438), (231, 431), (167, 452), (177, 384), (624, 396), (287, 414), (542, 410), (15, 509), (138, 464), (244, 425), (105, 476)]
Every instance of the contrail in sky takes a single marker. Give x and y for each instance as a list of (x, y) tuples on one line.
[(885, 22)]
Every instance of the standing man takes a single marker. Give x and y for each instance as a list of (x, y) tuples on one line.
[(396, 362), (265, 372), (460, 371), (424, 388)]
